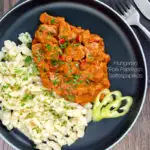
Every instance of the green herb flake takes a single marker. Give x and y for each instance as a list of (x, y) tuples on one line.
[(23, 104), (70, 70), (39, 58), (77, 44), (25, 78), (75, 76), (28, 60), (35, 70), (71, 97), (38, 130), (90, 57), (75, 82), (60, 52), (30, 115), (16, 87), (61, 62), (18, 70), (8, 95), (54, 62), (69, 81), (49, 47), (28, 97), (5, 86), (4, 108), (55, 82), (63, 46), (80, 82), (64, 37), (51, 93), (56, 47), (53, 21), (64, 123), (41, 28)]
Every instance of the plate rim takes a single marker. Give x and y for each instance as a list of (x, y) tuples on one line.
[(144, 61)]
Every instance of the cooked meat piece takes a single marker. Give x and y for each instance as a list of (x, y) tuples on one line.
[(72, 61), (86, 37), (50, 20), (76, 52), (65, 31)]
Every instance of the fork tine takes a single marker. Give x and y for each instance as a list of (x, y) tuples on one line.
[(119, 7), (128, 3), (123, 5)]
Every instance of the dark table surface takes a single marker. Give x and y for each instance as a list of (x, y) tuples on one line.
[(137, 139)]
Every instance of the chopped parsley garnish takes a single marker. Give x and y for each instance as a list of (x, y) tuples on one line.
[(60, 52), (51, 93), (39, 58), (23, 104), (64, 123), (90, 57), (55, 82), (71, 97), (61, 62), (75, 76), (18, 70), (80, 82), (75, 80), (76, 45), (54, 62), (28, 97), (25, 78), (41, 28), (63, 46), (8, 95), (39, 55), (64, 37), (49, 47), (35, 70), (28, 60), (70, 70), (56, 48), (16, 87), (5, 86), (53, 21), (4, 108), (69, 81), (38, 130), (30, 115)]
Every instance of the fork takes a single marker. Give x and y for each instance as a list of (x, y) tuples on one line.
[(131, 15)]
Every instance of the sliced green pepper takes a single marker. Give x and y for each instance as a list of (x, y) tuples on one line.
[(97, 101), (98, 105), (112, 106)]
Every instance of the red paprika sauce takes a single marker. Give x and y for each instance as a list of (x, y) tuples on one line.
[(72, 61)]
